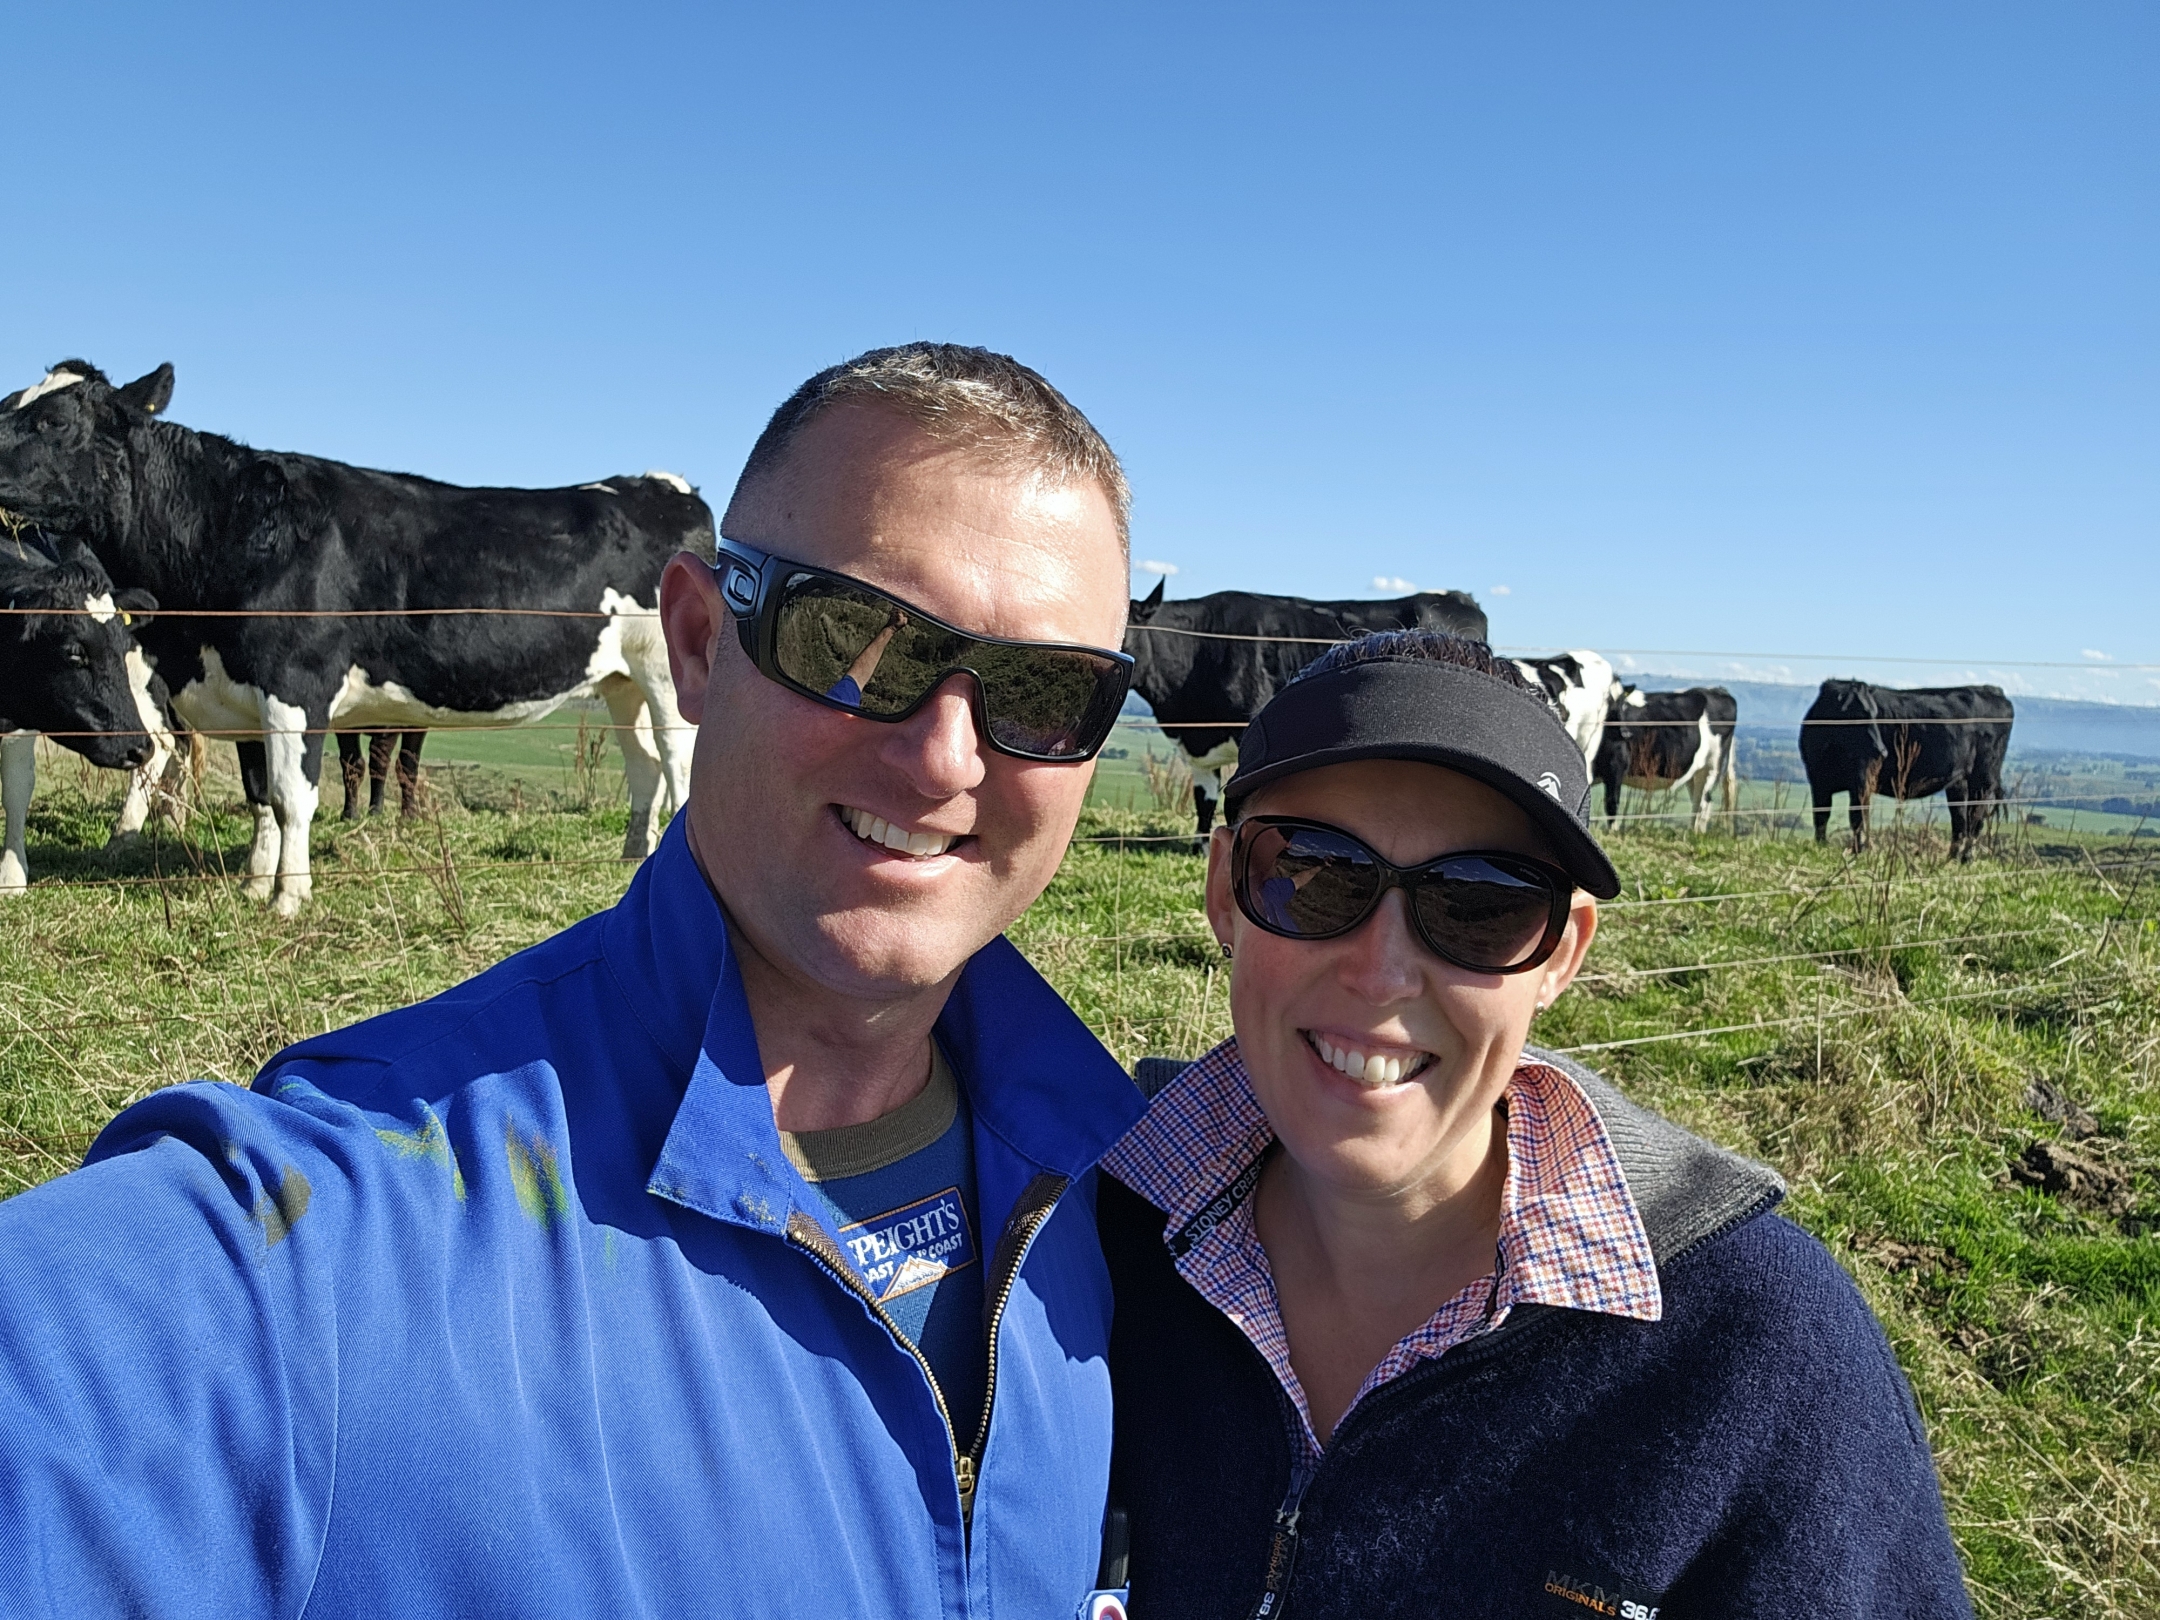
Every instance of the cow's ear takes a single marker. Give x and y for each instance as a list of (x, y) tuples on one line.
[(1145, 608), (151, 392), (137, 606)]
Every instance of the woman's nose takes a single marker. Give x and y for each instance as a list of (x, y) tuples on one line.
[(1382, 959)]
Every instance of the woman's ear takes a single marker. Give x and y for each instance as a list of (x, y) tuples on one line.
[(1222, 911), (1567, 958)]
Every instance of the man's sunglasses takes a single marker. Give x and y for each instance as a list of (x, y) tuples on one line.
[(1486, 910), (864, 651)]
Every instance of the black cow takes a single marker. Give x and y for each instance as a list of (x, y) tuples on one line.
[(365, 770), (1909, 742), (1208, 664), (1659, 740), (209, 524), (64, 669)]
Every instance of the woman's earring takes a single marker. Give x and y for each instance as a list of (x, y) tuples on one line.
[(1225, 949)]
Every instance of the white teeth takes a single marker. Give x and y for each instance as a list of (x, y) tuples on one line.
[(877, 830), (1375, 1071)]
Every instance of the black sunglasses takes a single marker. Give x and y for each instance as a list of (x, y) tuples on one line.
[(1490, 911), (864, 651)]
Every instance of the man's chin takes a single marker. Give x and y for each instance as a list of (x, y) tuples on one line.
[(884, 961)]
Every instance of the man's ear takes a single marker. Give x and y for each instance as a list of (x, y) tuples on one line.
[(693, 618), (151, 392)]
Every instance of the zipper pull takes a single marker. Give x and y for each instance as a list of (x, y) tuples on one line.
[(964, 1472), (1282, 1554)]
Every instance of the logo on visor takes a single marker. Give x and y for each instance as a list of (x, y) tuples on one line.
[(1549, 785)]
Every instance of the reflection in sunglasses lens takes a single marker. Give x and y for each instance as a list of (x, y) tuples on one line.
[(1486, 916), (862, 650)]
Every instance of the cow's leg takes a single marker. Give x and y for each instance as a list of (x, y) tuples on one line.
[(148, 778), (1822, 813), (1860, 798), (1962, 829), (381, 753), (263, 852), (18, 778), (1698, 787), (293, 755), (352, 770), (408, 773), (641, 762), (667, 738), (1206, 795)]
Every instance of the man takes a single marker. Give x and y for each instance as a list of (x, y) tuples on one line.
[(730, 1253)]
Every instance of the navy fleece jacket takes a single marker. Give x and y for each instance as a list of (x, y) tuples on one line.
[(1756, 1452)]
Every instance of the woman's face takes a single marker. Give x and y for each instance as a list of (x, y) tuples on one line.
[(1377, 992)]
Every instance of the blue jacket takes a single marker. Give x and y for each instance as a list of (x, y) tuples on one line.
[(510, 1304)]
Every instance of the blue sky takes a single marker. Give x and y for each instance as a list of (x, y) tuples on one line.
[(1767, 329)]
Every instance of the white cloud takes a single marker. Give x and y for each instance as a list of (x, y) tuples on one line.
[(1151, 566), (1392, 582), (2097, 657), (1501, 590)]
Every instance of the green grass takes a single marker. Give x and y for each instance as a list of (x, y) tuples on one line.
[(1896, 1011)]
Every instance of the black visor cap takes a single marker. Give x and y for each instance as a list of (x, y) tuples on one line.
[(1441, 714)]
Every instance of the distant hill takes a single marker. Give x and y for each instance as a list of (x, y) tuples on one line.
[(2044, 725)]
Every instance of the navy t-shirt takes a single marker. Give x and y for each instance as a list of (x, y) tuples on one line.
[(902, 1193)]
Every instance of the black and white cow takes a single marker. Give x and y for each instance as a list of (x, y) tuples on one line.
[(1208, 664), (65, 657), (1909, 742), (205, 523), (1580, 686), (1660, 740)]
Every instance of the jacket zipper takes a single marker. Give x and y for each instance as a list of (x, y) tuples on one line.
[(806, 1234), (1037, 1199), (1282, 1551)]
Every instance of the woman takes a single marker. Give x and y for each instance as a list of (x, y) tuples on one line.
[(1413, 1319)]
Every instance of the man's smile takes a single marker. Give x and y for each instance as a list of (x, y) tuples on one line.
[(919, 844)]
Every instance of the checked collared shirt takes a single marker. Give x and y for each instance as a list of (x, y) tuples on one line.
[(1569, 1232)]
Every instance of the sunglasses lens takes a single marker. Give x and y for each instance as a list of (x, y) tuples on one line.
[(1482, 913), (1048, 702), (1308, 882), (854, 647), (866, 652)]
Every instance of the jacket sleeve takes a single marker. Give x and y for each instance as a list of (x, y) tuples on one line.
[(1843, 1513), (168, 1369)]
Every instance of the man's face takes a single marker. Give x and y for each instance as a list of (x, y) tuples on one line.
[(780, 784)]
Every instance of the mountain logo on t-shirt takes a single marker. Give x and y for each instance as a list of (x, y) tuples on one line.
[(911, 1247)]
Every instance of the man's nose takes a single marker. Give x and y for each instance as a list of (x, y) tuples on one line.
[(937, 747)]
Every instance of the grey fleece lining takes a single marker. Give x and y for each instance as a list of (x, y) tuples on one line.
[(1685, 1189)]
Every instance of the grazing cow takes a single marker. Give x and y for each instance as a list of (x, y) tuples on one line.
[(1909, 742), (64, 657), (1659, 740), (337, 577), (1208, 664), (366, 770), (1580, 686)]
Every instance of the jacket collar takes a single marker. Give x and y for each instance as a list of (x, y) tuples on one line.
[(1036, 1078)]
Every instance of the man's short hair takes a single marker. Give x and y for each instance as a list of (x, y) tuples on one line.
[(961, 395)]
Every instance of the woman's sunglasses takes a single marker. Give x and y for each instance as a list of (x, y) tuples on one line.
[(1486, 910), (863, 651)]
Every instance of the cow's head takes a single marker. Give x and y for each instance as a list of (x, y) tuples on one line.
[(61, 443), (65, 652)]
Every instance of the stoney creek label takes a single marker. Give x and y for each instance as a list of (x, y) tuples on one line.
[(910, 1247)]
